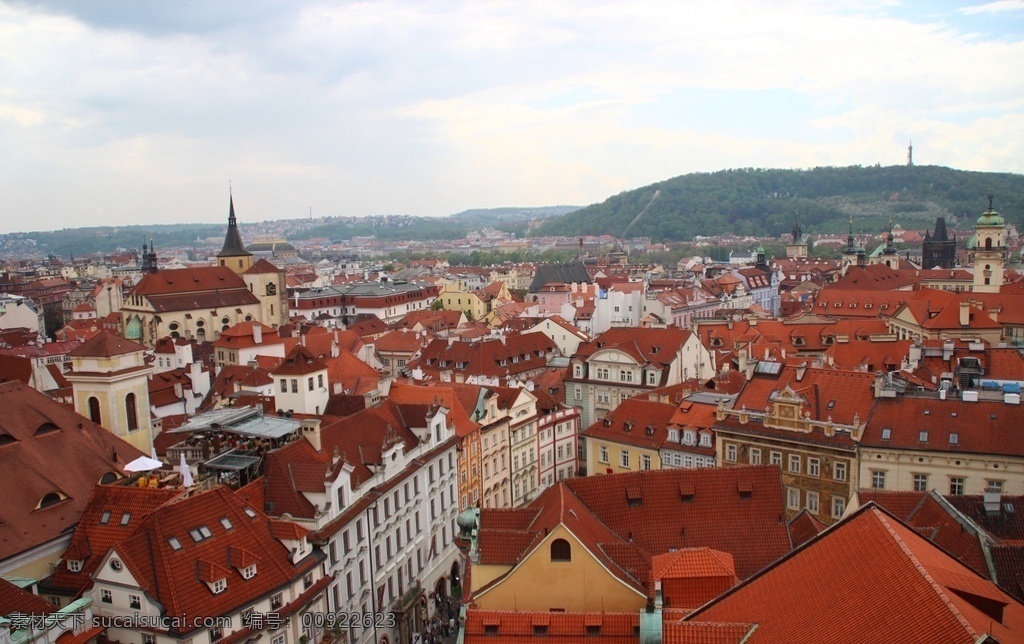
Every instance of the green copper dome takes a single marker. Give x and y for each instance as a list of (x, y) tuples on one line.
[(990, 217)]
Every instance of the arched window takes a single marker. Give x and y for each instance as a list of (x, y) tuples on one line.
[(988, 243), (94, 410), (131, 412), (133, 330), (561, 550), (50, 498)]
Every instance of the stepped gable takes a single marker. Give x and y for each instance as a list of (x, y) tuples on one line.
[(736, 510), (49, 456), (113, 513), (169, 574), (857, 566)]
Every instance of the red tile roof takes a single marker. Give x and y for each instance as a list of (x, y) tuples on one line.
[(994, 426), (170, 575), (299, 362), (189, 280), (635, 421), (18, 600), (716, 515), (804, 527), (37, 435), (704, 633), (104, 345), (858, 568), (827, 392), (498, 626), (103, 525)]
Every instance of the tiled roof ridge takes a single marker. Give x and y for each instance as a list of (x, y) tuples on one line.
[(940, 590)]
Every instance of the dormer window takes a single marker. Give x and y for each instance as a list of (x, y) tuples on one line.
[(249, 572), (219, 586), (673, 435), (75, 565)]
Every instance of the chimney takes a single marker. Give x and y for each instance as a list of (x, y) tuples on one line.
[(310, 430), (965, 313), (257, 333)]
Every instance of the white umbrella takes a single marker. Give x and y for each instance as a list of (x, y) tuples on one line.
[(143, 464), (186, 474)]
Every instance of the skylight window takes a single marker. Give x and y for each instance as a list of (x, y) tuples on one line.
[(203, 530), (923, 436), (125, 518), (954, 438), (249, 511), (105, 517), (175, 544), (224, 521), (886, 433)]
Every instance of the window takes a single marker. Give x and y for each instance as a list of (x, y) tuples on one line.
[(956, 485), (74, 565), (777, 458), (275, 601), (131, 413), (134, 601), (309, 383), (878, 479), (923, 436), (220, 586), (626, 376), (284, 385), (794, 464), (250, 571), (106, 597), (94, 410), (624, 458), (105, 517), (755, 456), (886, 433), (578, 392), (216, 633), (730, 453), (994, 486), (954, 438), (813, 467), (812, 502), (673, 435), (705, 440), (320, 380), (839, 471), (226, 522), (838, 506), (645, 462), (561, 550), (920, 482), (602, 454), (148, 638), (793, 498)]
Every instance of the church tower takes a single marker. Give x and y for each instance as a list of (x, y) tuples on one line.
[(988, 251), (110, 384), (798, 247), (234, 255), (850, 250)]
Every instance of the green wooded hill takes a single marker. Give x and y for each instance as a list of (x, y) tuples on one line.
[(763, 202)]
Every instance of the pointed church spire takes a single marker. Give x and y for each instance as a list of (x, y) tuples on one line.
[(234, 255)]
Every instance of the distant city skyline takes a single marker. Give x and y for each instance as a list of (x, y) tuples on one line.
[(121, 112)]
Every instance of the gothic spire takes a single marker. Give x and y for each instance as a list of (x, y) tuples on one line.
[(233, 246)]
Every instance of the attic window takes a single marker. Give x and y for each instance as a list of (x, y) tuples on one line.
[(249, 511), (886, 433), (633, 497), (175, 544), (249, 572), (954, 438), (831, 405), (219, 586), (745, 489), (74, 565), (490, 629), (540, 630), (125, 518), (687, 492), (200, 533), (6, 439), (105, 517), (224, 521), (50, 498), (923, 436), (46, 428), (593, 630)]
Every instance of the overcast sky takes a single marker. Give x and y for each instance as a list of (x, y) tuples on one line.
[(129, 112)]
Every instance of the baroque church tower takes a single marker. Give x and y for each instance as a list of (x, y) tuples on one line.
[(988, 251)]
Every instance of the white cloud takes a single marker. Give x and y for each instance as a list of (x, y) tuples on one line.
[(430, 108), (998, 7)]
